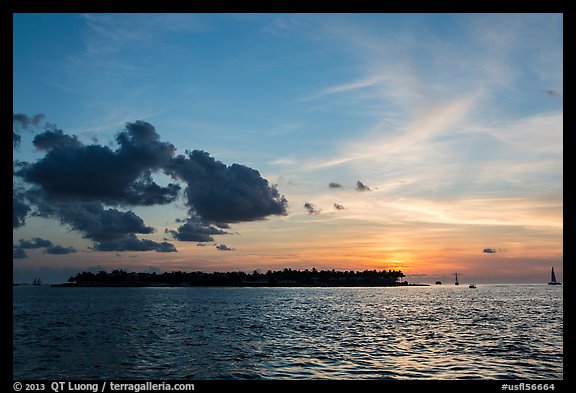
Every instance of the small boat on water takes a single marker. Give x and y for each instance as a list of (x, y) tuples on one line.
[(471, 286), (456, 283), (553, 278), (37, 281), (438, 282)]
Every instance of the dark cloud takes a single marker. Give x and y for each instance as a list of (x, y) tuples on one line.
[(60, 250), (140, 147), (334, 185), (132, 243), (34, 243), (96, 222), (337, 206), (51, 138), (20, 120), (361, 186), (73, 182), (226, 194), (166, 247), (224, 247), (195, 231), (87, 173), (146, 192), (16, 139), (489, 251), (18, 253), (71, 171), (20, 209), (311, 208)]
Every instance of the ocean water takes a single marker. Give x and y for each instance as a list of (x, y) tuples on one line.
[(436, 332)]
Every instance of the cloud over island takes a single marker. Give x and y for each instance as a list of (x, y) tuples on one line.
[(76, 182)]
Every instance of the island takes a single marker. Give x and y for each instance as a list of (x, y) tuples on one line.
[(281, 278)]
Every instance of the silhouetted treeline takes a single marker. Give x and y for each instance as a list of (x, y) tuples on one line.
[(286, 277)]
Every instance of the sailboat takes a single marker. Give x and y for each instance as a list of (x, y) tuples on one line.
[(456, 283), (553, 278), (37, 281)]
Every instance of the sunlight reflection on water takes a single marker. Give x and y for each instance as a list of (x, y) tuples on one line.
[(437, 332)]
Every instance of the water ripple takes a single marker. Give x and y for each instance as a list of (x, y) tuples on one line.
[(494, 332)]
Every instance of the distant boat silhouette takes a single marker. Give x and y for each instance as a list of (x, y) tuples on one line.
[(456, 283), (553, 278), (37, 281), (438, 282), (471, 286)]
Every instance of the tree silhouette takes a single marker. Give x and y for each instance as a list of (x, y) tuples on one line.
[(285, 277)]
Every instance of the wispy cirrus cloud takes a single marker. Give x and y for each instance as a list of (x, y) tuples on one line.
[(431, 91), (455, 141), (406, 142), (113, 32), (362, 83)]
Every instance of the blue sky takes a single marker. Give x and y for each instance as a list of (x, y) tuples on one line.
[(453, 121)]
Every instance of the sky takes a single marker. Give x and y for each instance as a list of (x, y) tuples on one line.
[(429, 143)]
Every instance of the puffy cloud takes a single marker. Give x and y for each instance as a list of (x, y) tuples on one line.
[(132, 243), (18, 253), (337, 206), (95, 222), (140, 147), (334, 185), (87, 173), (226, 194), (73, 182), (361, 186), (311, 208), (195, 231), (71, 171), (20, 209), (34, 243), (166, 247), (146, 192), (51, 138), (224, 247), (21, 120), (60, 250)]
